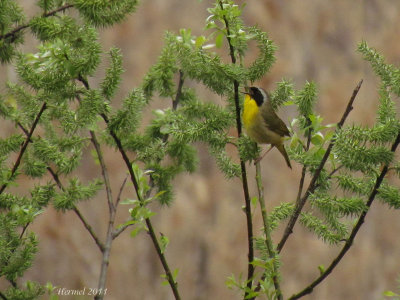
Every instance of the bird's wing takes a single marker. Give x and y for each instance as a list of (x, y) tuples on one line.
[(273, 122)]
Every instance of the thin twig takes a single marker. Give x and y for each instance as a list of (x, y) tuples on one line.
[(304, 169), (24, 229), (178, 95), (112, 213), (19, 124), (312, 185), (119, 230), (175, 103), (356, 228), (24, 147), (250, 236), (59, 184), (134, 181), (24, 26), (104, 171), (89, 228), (120, 191), (267, 232), (77, 212)]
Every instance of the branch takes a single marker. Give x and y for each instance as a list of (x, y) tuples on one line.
[(250, 236), (89, 228), (112, 213), (312, 186), (175, 103), (24, 26), (121, 229), (59, 184), (178, 95), (3, 296), (24, 230), (104, 171), (77, 212), (304, 169), (24, 147), (151, 232), (268, 238), (353, 233), (120, 191)]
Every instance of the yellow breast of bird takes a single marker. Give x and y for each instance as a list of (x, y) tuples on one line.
[(250, 112), (255, 125)]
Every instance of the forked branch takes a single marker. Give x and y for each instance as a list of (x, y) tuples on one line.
[(352, 236), (313, 183)]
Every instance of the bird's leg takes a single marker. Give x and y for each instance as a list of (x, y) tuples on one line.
[(262, 156)]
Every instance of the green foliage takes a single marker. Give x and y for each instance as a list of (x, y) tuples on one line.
[(266, 57), (112, 79), (102, 13), (60, 61), (126, 120), (248, 149), (163, 146), (317, 226), (53, 28), (10, 144), (389, 74), (160, 77), (11, 15), (279, 214), (31, 291), (228, 12), (283, 93), (75, 192), (51, 151), (389, 195), (46, 5), (16, 254), (305, 100)]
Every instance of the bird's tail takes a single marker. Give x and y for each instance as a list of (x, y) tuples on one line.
[(282, 150)]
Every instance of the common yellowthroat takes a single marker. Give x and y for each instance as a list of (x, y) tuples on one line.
[(262, 123)]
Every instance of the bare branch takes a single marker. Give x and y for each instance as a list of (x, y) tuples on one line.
[(134, 181), (111, 220), (103, 170), (89, 228), (120, 191)]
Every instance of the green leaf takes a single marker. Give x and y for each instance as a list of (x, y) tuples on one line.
[(136, 231), (164, 241), (200, 40), (390, 294), (321, 269), (317, 139), (218, 40)]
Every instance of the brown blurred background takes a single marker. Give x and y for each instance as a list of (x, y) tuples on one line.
[(206, 225)]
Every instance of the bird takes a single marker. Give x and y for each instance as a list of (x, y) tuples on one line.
[(261, 122)]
